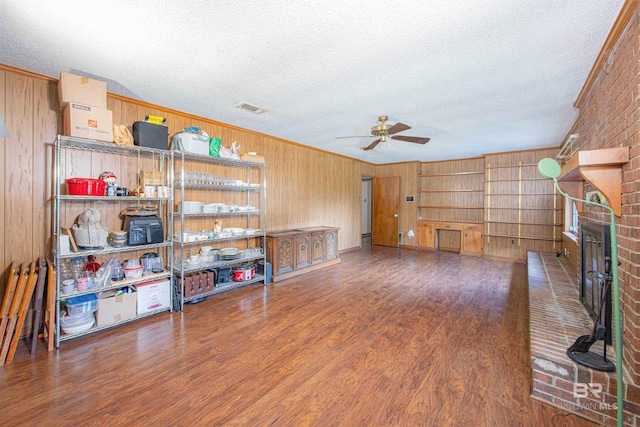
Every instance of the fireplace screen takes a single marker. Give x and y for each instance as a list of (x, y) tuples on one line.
[(596, 273)]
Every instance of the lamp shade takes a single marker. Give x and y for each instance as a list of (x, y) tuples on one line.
[(4, 132)]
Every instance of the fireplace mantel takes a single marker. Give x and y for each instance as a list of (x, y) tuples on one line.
[(600, 168)]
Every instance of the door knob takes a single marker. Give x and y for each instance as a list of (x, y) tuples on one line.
[(395, 215)]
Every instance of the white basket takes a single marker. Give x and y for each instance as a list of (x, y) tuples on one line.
[(191, 143)]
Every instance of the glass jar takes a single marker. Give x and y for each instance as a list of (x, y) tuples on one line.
[(78, 267)]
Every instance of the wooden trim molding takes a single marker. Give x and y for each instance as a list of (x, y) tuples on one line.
[(627, 11)]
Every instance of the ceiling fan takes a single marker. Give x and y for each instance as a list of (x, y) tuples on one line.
[(383, 130)]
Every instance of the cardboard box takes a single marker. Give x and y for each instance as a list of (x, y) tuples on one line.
[(151, 178), (114, 308), (153, 295), (85, 121), (83, 90), (252, 158)]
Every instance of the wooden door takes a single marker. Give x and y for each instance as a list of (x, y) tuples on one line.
[(386, 201)]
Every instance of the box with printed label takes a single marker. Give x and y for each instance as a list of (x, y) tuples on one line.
[(85, 121), (115, 307), (83, 90), (151, 178), (153, 296)]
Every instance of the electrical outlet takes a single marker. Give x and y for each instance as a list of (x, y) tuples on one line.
[(410, 233), (513, 241)]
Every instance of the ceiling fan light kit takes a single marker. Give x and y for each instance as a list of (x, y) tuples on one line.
[(383, 130)]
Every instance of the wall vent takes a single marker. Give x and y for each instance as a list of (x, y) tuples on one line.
[(596, 197), (251, 108)]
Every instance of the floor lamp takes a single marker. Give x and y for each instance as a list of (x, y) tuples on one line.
[(549, 168)]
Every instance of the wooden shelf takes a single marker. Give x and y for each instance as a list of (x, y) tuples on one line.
[(515, 180), (422, 175), (509, 236), (512, 166), (451, 191), (545, 224), (521, 194), (525, 209), (451, 207), (600, 168)]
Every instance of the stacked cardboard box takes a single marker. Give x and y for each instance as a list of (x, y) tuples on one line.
[(84, 102)]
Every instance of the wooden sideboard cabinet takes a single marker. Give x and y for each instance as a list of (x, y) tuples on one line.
[(299, 251), (471, 236)]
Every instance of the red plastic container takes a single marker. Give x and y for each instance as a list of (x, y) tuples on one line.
[(86, 186)]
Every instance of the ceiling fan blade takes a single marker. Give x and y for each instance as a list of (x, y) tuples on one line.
[(372, 145), (343, 137), (415, 139), (398, 127)]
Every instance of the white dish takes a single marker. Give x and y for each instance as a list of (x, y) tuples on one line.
[(229, 251), (80, 327)]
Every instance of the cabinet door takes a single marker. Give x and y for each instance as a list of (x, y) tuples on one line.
[(330, 244), (426, 236), (317, 248), (283, 255), (303, 251), (472, 240)]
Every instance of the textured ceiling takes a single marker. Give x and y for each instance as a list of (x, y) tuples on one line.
[(476, 76)]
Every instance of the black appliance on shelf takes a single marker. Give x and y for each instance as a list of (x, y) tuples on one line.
[(224, 274), (144, 230)]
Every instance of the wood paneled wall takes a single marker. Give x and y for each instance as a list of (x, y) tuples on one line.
[(305, 187)]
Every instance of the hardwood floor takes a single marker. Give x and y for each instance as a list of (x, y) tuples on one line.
[(387, 337)]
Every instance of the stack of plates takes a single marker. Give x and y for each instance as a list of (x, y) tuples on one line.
[(190, 207), (235, 231), (224, 208), (230, 254), (210, 208)]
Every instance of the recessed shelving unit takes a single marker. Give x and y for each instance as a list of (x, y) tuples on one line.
[(522, 209), (451, 205)]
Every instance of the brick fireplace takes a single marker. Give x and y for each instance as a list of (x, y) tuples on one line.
[(557, 318)]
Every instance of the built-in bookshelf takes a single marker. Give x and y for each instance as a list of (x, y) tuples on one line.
[(452, 191), (522, 210)]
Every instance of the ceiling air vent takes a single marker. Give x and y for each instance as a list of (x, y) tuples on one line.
[(251, 108)]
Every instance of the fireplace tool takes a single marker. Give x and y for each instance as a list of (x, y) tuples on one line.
[(549, 168), (579, 351)]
